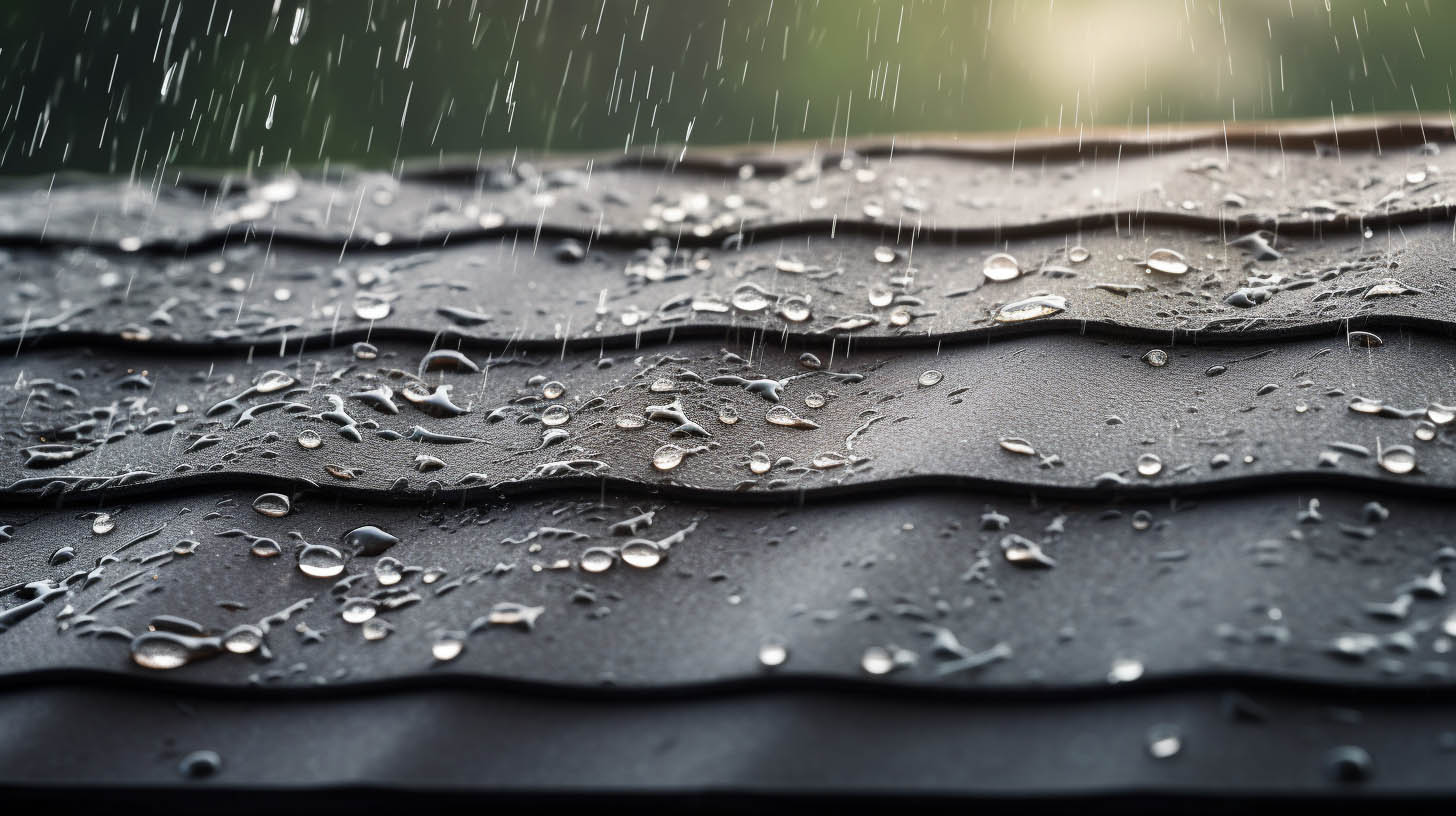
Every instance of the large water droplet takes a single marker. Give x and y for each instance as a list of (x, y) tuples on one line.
[(667, 457), (1157, 358), (358, 610), (1164, 741), (448, 646), (1166, 261), (1149, 465), (641, 553), (555, 415), (1398, 459), (783, 415), (1001, 267), (929, 377), (1031, 308), (102, 524), (597, 560), (773, 653), (320, 561), (243, 639), (272, 505), (309, 440)]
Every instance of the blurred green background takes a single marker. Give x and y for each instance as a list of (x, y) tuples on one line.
[(139, 86)]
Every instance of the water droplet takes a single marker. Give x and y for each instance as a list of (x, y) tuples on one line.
[(102, 524), (1214, 370), (773, 653), (432, 575), (1001, 267), (728, 415), (1350, 763), (1078, 254), (555, 415), (667, 457), (1364, 339), (794, 308), (370, 307), (186, 546), (783, 415), (358, 610), (1440, 414), (388, 571), (1425, 431), (815, 400), (877, 660), (1149, 465), (1031, 308), (309, 440), (662, 385), (1164, 741), (265, 548), (243, 639), (272, 505), (641, 553), (930, 377), (271, 381), (448, 646), (553, 390), (884, 254), (376, 629), (1125, 670), (1166, 261), (369, 540), (1398, 459), (759, 463), (320, 561), (597, 559), (169, 650), (200, 764), (630, 421), (1157, 358), (1023, 552), (750, 297), (365, 351), (1017, 445), (810, 361), (880, 296)]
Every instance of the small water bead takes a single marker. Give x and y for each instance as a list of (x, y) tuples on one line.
[(1149, 465), (365, 351), (1364, 405), (555, 415), (1440, 414), (358, 610), (1078, 254), (200, 764), (448, 646), (1013, 444), (930, 377), (1164, 741), (794, 308), (630, 421), (432, 575), (1001, 267), (879, 660), (265, 548), (641, 553), (810, 361), (371, 307), (1030, 308), (1125, 670), (308, 440), (1157, 358), (271, 381), (1214, 370), (1350, 763), (272, 505), (880, 296), (773, 653), (376, 629), (388, 571), (1425, 431), (901, 316), (320, 561), (759, 463), (750, 297), (783, 415), (102, 524), (553, 390), (1166, 261), (597, 560), (1398, 459), (662, 385), (243, 639), (668, 457), (186, 546), (814, 400), (884, 255), (728, 415)]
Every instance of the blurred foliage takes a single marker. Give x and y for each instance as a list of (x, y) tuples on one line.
[(141, 86)]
